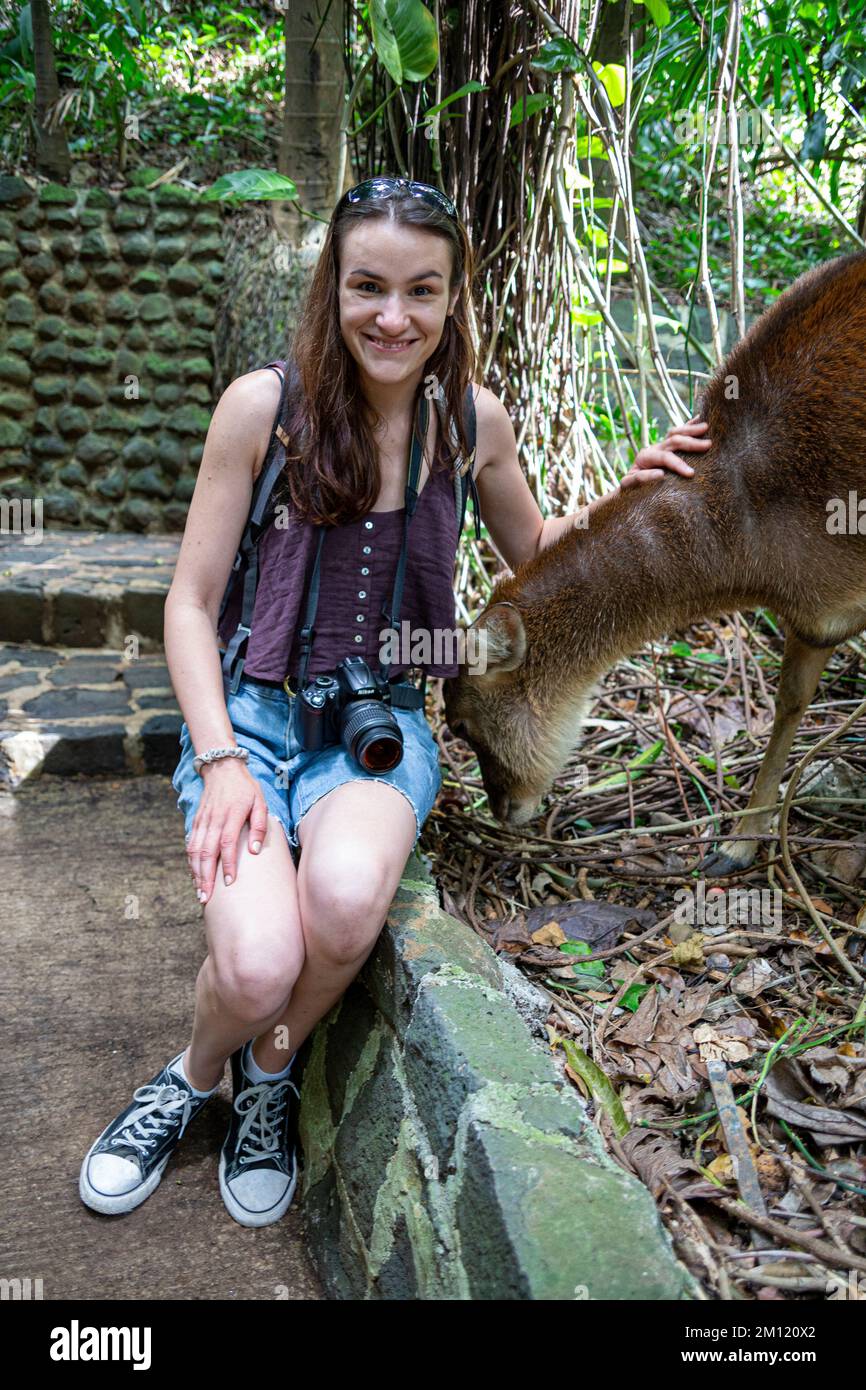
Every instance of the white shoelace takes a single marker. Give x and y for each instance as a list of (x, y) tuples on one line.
[(258, 1135), (158, 1104)]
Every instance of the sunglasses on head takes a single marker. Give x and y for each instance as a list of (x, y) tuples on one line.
[(382, 187)]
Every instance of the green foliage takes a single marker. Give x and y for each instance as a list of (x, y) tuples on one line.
[(203, 79), (529, 106), (805, 66), (405, 38), (250, 185)]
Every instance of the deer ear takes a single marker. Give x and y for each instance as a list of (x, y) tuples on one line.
[(505, 637)]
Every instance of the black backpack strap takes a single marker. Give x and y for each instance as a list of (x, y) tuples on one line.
[(246, 560), (464, 483), (468, 478)]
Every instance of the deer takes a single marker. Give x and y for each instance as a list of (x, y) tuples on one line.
[(757, 526)]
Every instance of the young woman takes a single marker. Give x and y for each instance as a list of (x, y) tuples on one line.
[(296, 854)]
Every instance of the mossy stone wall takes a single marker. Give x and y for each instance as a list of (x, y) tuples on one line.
[(107, 306)]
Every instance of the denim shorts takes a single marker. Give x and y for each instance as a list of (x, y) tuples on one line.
[(292, 779)]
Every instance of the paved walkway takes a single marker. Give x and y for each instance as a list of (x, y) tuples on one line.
[(83, 681), (84, 588), (101, 942)]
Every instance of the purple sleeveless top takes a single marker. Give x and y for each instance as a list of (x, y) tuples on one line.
[(356, 576)]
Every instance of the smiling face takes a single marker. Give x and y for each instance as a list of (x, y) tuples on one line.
[(394, 297)]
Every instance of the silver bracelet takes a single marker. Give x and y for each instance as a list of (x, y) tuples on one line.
[(213, 754)]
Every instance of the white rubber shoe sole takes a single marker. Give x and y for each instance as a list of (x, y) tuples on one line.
[(243, 1215)]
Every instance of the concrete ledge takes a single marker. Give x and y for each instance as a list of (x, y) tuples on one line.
[(77, 588), (445, 1157), (65, 711)]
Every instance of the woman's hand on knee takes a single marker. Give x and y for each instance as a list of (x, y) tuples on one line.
[(232, 796)]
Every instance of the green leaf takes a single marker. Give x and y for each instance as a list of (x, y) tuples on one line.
[(528, 106), (250, 185), (709, 763), (813, 140), (800, 68), (600, 1087), (557, 55), (636, 767), (573, 178), (632, 997), (405, 39), (617, 267), (463, 91), (25, 34), (595, 968), (835, 171), (593, 147), (673, 324), (680, 649), (658, 11), (612, 76), (586, 318)]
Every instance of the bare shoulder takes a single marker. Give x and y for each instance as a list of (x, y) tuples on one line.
[(495, 431), (251, 401)]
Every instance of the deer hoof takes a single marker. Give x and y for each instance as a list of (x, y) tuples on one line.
[(731, 858)]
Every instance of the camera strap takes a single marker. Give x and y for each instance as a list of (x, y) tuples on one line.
[(245, 570), (406, 696)]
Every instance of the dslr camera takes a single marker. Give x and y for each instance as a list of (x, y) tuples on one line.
[(351, 707)]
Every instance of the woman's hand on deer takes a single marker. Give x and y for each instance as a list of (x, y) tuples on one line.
[(652, 462), (232, 796)]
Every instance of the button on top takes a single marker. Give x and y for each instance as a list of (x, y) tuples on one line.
[(362, 593), (369, 525), (367, 549), (358, 637), (359, 617), (364, 569)]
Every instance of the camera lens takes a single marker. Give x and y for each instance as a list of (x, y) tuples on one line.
[(379, 754), (371, 734)]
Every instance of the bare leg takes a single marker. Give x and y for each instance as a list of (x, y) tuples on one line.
[(801, 671), (256, 953), (355, 841)]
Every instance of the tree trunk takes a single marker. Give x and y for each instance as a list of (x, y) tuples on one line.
[(270, 248), (52, 150), (312, 112)]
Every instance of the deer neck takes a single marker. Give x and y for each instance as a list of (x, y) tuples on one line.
[(651, 561)]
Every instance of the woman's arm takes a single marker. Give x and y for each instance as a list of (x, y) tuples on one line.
[(508, 508), (237, 435), (234, 451)]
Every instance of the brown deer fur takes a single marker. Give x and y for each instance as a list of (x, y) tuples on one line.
[(787, 420)]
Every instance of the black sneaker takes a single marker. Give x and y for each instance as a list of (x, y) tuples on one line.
[(258, 1165), (128, 1159)]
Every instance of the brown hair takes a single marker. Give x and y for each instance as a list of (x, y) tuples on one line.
[(332, 473)]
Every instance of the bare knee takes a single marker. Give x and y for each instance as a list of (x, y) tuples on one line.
[(253, 983), (254, 933), (344, 904)]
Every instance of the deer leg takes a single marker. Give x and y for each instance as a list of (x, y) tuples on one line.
[(801, 670)]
